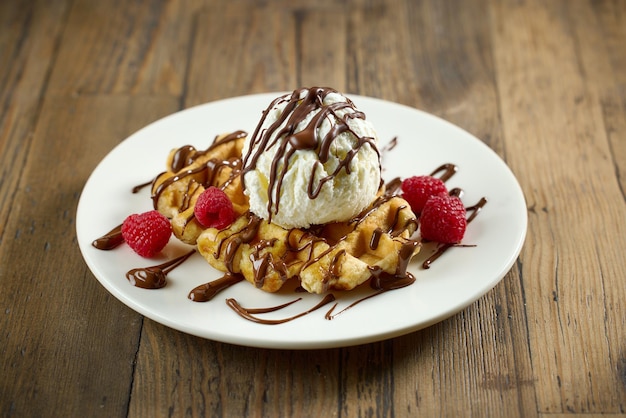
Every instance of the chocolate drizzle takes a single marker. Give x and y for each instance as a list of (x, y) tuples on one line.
[(447, 169), (390, 145), (304, 245), (137, 188), (284, 135), (208, 291), (382, 280), (330, 315), (110, 240), (154, 277), (249, 314)]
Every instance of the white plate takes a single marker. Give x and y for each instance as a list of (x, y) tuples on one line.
[(458, 278)]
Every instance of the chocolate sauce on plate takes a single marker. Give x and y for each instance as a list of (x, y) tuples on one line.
[(154, 277), (249, 314), (208, 291), (110, 240)]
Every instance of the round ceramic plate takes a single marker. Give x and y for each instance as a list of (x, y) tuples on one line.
[(423, 142)]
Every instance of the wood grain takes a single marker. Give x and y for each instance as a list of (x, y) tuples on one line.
[(29, 37), (542, 83), (231, 56), (58, 322), (570, 330)]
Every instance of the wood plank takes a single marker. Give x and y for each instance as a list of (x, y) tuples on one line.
[(467, 364), (600, 31), (451, 76), (213, 378), (322, 46), (582, 415), (118, 47), (548, 108), (30, 34), (602, 36), (241, 50), (206, 378), (367, 378), (377, 64), (439, 62), (58, 321)]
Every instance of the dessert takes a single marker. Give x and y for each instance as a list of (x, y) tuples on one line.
[(307, 195), (318, 210), (300, 199)]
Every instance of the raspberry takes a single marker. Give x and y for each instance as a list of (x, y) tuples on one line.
[(443, 219), (417, 189), (146, 233), (214, 209)]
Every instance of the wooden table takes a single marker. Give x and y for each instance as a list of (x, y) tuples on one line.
[(543, 83)]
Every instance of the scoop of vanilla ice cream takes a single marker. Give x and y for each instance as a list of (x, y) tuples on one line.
[(312, 160)]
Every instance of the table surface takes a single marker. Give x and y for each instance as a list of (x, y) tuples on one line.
[(541, 83)]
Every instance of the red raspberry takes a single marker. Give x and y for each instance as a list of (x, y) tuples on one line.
[(214, 209), (147, 233), (417, 189), (443, 219)]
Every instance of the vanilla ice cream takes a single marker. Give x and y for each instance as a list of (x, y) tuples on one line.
[(312, 159)]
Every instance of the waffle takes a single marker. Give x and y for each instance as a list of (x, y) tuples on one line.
[(189, 172), (338, 256)]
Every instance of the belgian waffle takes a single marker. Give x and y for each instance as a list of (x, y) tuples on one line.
[(189, 172), (337, 256)]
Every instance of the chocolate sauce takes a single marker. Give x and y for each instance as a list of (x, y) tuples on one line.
[(394, 187), (330, 315), (154, 277), (182, 157), (447, 169), (248, 314), (188, 154), (375, 239), (137, 188), (265, 310), (390, 145), (204, 174), (246, 235), (207, 291), (384, 281), (110, 240), (475, 209)]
